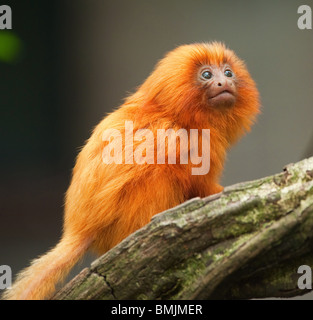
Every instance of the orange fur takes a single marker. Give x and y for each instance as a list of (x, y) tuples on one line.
[(107, 202)]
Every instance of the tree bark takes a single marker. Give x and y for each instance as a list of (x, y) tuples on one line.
[(246, 242)]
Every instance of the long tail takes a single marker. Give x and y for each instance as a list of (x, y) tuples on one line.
[(38, 281)]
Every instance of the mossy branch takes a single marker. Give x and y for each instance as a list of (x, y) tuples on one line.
[(246, 242)]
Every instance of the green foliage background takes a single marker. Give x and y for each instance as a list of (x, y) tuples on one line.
[(10, 47)]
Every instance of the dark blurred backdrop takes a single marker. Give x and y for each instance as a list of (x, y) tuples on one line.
[(78, 59)]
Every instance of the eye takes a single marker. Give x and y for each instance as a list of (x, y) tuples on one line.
[(206, 75), (228, 73)]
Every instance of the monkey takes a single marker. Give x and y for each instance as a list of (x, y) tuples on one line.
[(195, 86)]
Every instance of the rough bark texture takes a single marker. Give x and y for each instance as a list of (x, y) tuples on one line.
[(246, 242)]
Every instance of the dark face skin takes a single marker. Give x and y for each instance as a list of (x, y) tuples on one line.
[(220, 83)]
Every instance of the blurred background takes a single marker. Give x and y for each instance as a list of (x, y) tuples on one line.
[(65, 64)]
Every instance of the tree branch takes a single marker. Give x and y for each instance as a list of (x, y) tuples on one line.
[(246, 242)]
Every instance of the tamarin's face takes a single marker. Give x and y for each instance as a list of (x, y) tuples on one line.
[(219, 82), (201, 81)]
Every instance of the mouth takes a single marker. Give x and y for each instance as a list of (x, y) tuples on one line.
[(223, 98), (224, 93)]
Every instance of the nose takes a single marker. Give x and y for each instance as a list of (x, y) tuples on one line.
[(220, 80)]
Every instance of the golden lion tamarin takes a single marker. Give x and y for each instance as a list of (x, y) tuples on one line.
[(197, 86)]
